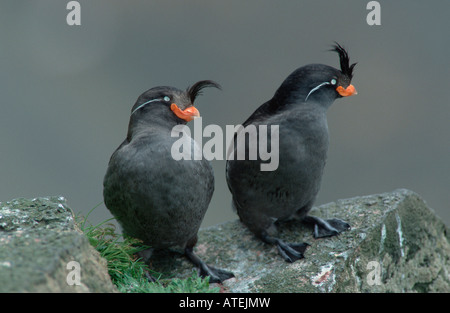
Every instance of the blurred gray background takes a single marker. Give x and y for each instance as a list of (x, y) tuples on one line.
[(67, 91)]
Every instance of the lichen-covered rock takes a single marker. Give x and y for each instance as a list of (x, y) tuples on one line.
[(38, 240), (396, 244)]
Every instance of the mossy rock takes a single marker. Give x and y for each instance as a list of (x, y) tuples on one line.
[(396, 244), (38, 239)]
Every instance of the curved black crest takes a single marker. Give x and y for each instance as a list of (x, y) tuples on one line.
[(196, 89), (346, 68)]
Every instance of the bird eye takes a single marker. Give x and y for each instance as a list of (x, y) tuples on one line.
[(166, 98), (333, 81)]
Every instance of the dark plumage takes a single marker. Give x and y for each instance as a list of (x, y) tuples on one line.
[(154, 197), (196, 89), (344, 61), (299, 109)]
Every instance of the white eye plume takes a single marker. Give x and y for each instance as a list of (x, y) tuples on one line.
[(317, 87), (154, 100)]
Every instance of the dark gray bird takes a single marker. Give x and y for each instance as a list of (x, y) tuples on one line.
[(154, 197), (299, 108)]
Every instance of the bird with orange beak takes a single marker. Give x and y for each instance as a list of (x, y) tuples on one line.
[(155, 198), (264, 199)]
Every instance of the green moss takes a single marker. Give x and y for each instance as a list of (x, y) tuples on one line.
[(128, 272)]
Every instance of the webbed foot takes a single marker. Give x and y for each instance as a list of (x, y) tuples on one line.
[(216, 275), (327, 228), (291, 252)]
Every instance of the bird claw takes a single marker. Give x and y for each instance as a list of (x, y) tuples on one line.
[(291, 252), (329, 228), (216, 275), (149, 277)]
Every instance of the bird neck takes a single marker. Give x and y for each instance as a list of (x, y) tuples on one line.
[(297, 104), (157, 118)]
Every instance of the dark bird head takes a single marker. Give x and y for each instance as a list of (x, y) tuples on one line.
[(318, 82), (170, 103)]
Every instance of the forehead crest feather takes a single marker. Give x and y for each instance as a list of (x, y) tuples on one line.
[(196, 89), (346, 68)]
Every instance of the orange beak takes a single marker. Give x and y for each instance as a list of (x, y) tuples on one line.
[(349, 91), (188, 114)]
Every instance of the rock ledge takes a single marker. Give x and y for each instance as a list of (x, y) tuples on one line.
[(396, 244), (38, 239)]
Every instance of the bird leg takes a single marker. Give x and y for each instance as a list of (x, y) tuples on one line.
[(326, 228), (216, 275), (145, 255), (291, 252)]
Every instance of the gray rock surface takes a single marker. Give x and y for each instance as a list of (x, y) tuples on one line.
[(396, 244), (38, 238)]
